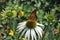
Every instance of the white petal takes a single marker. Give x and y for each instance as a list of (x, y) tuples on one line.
[(33, 34), (23, 33), (40, 24), (21, 24), (27, 35), (39, 29), (20, 29), (37, 34)]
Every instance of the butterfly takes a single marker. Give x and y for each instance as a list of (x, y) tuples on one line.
[(33, 15)]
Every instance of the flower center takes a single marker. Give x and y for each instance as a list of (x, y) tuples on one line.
[(31, 24)]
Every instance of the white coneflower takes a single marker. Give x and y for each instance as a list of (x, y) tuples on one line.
[(30, 29)]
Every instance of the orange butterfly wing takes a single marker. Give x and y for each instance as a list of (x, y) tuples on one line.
[(33, 15)]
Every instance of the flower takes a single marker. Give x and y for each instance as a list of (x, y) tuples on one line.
[(9, 13), (50, 17), (30, 29), (11, 33), (14, 12), (27, 28), (21, 13), (3, 14)]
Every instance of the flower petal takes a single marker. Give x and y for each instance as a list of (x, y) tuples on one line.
[(33, 34), (20, 29), (37, 34), (39, 29), (27, 35), (40, 24), (21, 24), (23, 33)]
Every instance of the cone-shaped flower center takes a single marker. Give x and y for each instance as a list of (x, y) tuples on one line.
[(31, 24)]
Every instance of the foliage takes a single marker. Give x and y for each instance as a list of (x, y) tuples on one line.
[(19, 10)]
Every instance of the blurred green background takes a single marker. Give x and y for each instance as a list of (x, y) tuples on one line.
[(14, 11)]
